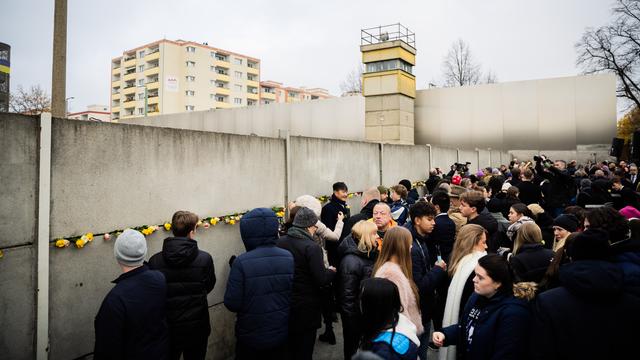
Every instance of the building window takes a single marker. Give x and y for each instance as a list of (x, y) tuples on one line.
[(221, 71), (189, 107), (221, 57), (266, 102), (191, 63), (191, 49), (220, 98), (140, 111), (190, 93), (141, 96), (213, 54), (251, 77), (140, 82), (395, 64), (141, 54), (237, 61), (141, 68), (250, 102), (237, 88), (191, 78), (268, 90), (292, 94), (238, 75), (237, 101)]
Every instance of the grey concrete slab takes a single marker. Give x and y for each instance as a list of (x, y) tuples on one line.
[(17, 303), (404, 162)]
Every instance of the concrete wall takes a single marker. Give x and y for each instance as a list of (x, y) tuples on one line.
[(556, 114), (113, 176), (18, 220), (334, 118)]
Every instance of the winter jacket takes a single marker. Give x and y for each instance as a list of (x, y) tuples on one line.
[(399, 345), (355, 266), (431, 183), (329, 217), (259, 284), (309, 276), (530, 192), (545, 223), (412, 196), (626, 254), (426, 277), (440, 241), (131, 322), (190, 277), (490, 224), (561, 186), (590, 316), (491, 328), (366, 213), (400, 211), (531, 263)]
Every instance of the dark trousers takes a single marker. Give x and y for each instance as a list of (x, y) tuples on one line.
[(244, 352), (351, 332), (328, 307), (194, 348), (301, 343)]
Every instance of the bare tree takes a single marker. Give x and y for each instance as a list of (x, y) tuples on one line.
[(353, 82), (490, 77), (32, 102), (615, 48), (460, 68)]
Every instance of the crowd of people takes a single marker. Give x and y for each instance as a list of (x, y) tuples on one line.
[(531, 260)]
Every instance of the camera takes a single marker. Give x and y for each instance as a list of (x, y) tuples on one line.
[(462, 168)]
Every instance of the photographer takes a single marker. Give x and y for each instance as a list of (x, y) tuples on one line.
[(561, 186)]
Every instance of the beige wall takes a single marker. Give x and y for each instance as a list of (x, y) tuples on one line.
[(557, 114)]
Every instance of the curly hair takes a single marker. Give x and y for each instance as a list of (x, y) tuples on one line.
[(608, 219)]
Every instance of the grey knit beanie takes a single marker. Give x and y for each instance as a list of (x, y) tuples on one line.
[(130, 248), (305, 218)]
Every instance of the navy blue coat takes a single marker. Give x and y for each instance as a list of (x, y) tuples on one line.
[(590, 316), (501, 330), (259, 285), (442, 238), (131, 322), (426, 277)]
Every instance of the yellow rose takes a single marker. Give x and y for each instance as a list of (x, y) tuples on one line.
[(62, 243), (167, 226), (214, 221), (350, 196), (232, 222), (80, 243), (280, 214), (89, 236)]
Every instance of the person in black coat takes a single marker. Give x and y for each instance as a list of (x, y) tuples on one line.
[(628, 197), (472, 206), (412, 193), (530, 258), (329, 216), (441, 239), (432, 181), (259, 288), (370, 198), (358, 253), (426, 277), (591, 294), (310, 276), (190, 277), (530, 192), (560, 187), (545, 222), (131, 322), (495, 324)]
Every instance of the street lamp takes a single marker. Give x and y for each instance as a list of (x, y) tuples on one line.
[(66, 105), (146, 99)]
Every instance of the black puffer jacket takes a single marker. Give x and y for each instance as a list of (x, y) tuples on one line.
[(531, 262), (354, 267), (365, 214), (190, 277)]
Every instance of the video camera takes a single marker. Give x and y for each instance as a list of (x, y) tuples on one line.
[(462, 168), (546, 162)]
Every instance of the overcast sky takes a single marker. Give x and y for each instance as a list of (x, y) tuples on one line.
[(300, 43)]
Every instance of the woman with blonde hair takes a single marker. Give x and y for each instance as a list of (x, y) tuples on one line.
[(394, 263), (470, 246), (358, 256), (530, 258)]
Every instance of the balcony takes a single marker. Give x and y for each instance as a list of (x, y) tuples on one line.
[(115, 109), (129, 90), (268, 96), (131, 76), (253, 83), (254, 71), (253, 96), (115, 96), (152, 70), (129, 100), (222, 105), (223, 77), (153, 100), (152, 55), (223, 91), (222, 64), (130, 62), (115, 70), (153, 84)]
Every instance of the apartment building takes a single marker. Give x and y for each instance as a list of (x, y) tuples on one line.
[(95, 112), (276, 92), (169, 76)]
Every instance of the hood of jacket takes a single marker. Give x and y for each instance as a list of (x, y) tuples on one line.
[(348, 246), (259, 227), (179, 251), (368, 209), (592, 279)]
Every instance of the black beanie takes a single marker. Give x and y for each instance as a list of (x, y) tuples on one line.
[(568, 222), (592, 244), (406, 183)]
